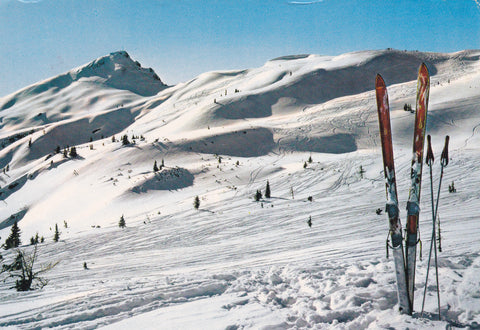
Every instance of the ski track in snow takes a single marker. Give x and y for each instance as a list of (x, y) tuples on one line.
[(236, 263)]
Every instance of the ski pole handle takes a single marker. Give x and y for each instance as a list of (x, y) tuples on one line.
[(429, 160), (444, 160)]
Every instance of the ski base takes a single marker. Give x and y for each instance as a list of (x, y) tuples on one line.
[(402, 292)]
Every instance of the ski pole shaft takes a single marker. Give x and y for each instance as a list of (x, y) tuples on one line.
[(429, 162), (436, 275), (433, 242), (444, 163), (434, 237)]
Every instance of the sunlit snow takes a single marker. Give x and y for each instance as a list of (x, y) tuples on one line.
[(235, 263)]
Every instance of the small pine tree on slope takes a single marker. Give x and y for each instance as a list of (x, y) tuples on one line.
[(258, 196), (121, 223), (13, 240), (267, 190), (56, 237), (73, 152)]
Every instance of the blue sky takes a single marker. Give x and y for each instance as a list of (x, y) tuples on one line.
[(180, 39)]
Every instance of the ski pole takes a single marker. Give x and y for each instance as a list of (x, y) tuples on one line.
[(443, 163), (429, 160)]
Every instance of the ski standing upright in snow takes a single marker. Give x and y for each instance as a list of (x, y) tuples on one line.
[(413, 204), (395, 226)]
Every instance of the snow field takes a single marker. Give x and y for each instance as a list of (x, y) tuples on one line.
[(236, 263)]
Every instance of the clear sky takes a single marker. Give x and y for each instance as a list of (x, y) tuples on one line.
[(180, 39)]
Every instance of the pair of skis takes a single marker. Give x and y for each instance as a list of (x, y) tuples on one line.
[(404, 259)]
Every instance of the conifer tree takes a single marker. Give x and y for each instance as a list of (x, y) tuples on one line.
[(34, 239), (56, 236), (258, 196), (267, 190), (73, 152), (121, 223), (196, 203), (13, 240), (155, 167), (361, 171)]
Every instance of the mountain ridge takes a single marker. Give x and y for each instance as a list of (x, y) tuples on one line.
[(108, 67)]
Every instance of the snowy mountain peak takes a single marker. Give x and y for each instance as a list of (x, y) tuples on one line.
[(101, 85), (105, 66), (120, 71), (117, 70)]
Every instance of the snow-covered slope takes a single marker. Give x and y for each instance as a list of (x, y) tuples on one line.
[(234, 262)]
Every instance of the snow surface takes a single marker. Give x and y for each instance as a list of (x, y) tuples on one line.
[(235, 263)]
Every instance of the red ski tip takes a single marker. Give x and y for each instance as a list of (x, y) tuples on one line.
[(423, 69), (379, 82)]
